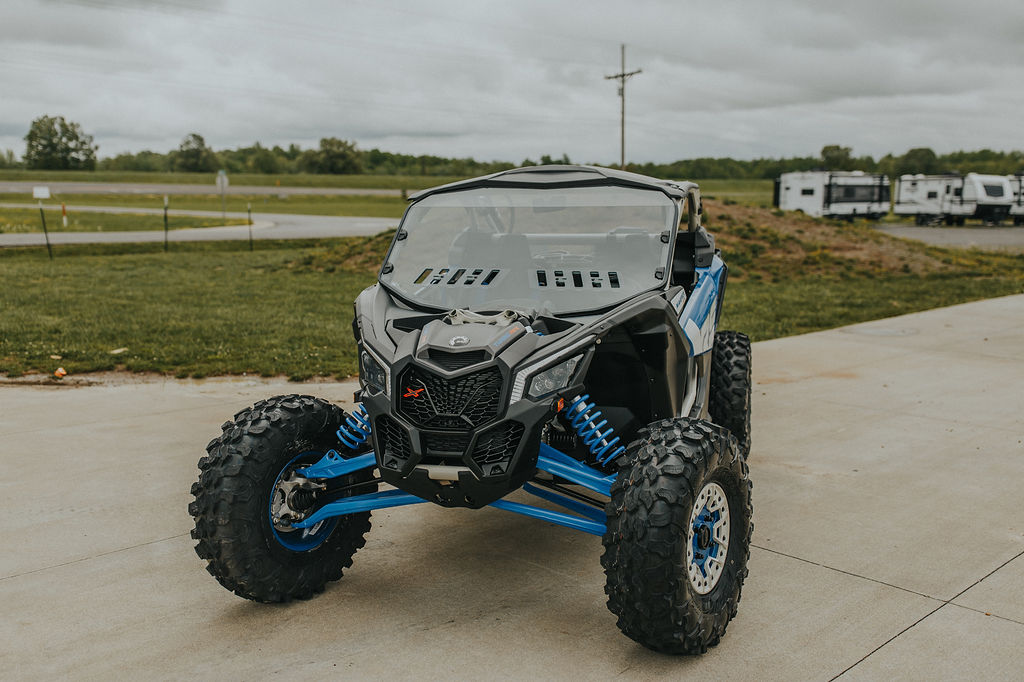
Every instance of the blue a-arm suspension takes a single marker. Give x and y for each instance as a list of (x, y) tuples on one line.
[(584, 517)]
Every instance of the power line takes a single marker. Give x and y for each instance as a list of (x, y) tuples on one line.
[(622, 77)]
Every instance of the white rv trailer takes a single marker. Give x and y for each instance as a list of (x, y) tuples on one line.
[(833, 194), (1017, 187), (953, 198)]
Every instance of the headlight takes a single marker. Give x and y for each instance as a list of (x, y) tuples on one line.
[(372, 373), (553, 378)]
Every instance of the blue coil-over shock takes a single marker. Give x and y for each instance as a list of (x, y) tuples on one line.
[(356, 429), (582, 418)]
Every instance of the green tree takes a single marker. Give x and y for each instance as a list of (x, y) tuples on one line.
[(7, 159), (262, 160), (334, 156), (546, 160), (193, 156), (918, 160), (835, 157), (55, 144)]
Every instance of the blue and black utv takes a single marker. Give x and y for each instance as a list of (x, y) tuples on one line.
[(550, 330)]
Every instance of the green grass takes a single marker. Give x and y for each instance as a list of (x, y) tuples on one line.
[(27, 220), (200, 309), (752, 192), (354, 205), (797, 306), (216, 308), (285, 179)]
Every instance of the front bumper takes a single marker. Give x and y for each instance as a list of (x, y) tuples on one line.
[(469, 468)]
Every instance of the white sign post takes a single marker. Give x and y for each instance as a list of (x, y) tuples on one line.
[(222, 185)]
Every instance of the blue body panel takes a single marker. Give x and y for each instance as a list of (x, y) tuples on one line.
[(698, 316)]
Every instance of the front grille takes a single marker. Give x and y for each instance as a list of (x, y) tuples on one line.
[(445, 442), (454, 361), (497, 445), (393, 444), (459, 404)]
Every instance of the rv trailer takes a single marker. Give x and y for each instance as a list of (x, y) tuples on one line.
[(833, 194), (953, 198), (1017, 209)]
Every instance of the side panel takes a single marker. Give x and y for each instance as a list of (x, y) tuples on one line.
[(700, 315)]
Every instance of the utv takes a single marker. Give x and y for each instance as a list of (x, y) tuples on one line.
[(548, 329)]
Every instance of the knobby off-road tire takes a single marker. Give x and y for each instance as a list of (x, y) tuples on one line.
[(650, 513), (232, 502), (729, 397)]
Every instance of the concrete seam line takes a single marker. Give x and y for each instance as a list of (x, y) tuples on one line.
[(946, 602), (95, 556), (850, 573), (987, 613)]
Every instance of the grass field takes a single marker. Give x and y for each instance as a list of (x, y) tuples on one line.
[(286, 309), (355, 205), (285, 180), (750, 191), (27, 220)]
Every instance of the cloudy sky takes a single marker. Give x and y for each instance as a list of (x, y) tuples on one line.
[(511, 80)]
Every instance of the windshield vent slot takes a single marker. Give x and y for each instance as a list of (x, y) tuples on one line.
[(490, 277), (457, 276), (436, 279), (594, 279), (423, 276)]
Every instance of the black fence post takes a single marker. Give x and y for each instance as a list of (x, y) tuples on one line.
[(46, 234), (165, 223)]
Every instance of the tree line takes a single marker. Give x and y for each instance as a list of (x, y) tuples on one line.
[(52, 143)]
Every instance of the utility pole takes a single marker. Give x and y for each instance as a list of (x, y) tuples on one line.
[(622, 77)]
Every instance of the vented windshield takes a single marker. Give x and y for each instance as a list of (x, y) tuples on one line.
[(566, 250)]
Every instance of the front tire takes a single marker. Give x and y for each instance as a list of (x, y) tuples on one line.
[(678, 538), (729, 397), (240, 489)]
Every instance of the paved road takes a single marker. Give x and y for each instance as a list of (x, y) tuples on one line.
[(161, 188), (889, 540), (981, 237), (265, 226)]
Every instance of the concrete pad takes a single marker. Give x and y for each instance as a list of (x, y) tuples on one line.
[(435, 593), (898, 501), (1001, 594), (892, 455), (878, 458), (124, 456), (951, 644)]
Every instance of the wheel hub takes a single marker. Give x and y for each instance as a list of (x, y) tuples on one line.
[(703, 537), (707, 543), (292, 498)]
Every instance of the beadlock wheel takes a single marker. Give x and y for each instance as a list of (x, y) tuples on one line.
[(707, 540)]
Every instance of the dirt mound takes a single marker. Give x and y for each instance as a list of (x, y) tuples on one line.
[(761, 243)]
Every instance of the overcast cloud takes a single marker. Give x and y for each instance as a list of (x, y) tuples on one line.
[(511, 80)]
